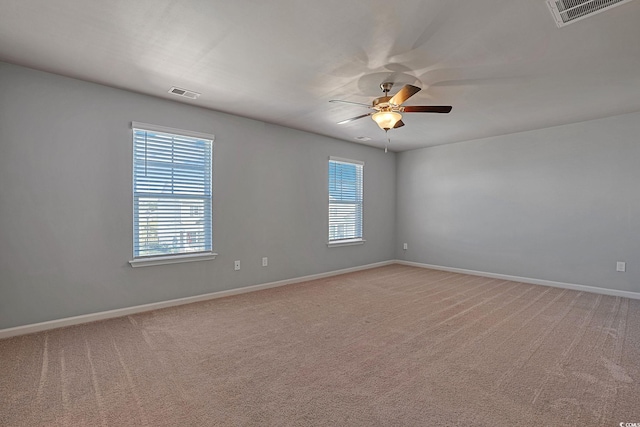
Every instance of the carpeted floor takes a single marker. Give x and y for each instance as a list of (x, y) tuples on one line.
[(392, 346)]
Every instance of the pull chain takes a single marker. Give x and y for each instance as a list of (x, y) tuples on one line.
[(388, 140)]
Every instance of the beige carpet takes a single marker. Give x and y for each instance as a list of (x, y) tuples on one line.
[(392, 346)]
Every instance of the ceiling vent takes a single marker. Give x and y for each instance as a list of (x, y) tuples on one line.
[(566, 12), (183, 92)]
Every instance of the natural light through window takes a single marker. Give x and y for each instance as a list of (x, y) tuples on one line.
[(171, 194), (345, 201)]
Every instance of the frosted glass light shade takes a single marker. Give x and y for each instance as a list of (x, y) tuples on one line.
[(386, 119)]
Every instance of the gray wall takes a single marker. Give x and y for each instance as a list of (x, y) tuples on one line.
[(558, 204), (66, 203)]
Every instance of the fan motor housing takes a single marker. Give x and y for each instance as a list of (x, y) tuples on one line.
[(382, 102)]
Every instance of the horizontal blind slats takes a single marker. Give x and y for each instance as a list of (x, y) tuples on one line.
[(172, 194), (345, 200)]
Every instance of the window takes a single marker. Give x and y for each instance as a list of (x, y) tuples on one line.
[(171, 193), (345, 201)]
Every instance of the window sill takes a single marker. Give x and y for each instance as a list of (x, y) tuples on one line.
[(172, 259), (349, 242)]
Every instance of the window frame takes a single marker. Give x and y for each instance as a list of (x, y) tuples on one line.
[(351, 241), (143, 261)]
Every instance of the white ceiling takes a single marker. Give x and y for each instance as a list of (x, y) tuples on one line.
[(503, 65)]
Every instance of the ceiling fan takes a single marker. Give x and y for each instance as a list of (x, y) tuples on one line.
[(389, 109)]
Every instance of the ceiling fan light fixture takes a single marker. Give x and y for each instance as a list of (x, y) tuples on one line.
[(386, 119)]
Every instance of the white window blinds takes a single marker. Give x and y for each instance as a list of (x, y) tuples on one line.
[(171, 193), (345, 199)]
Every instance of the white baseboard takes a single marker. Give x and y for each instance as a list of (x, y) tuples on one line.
[(86, 318), (584, 288)]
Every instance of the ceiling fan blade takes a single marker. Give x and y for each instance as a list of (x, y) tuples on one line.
[(405, 93), (354, 118), (427, 109), (350, 102), (399, 124)]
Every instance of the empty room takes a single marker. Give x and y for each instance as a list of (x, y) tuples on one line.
[(337, 213)]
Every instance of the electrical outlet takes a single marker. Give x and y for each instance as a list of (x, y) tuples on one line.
[(236, 265), (621, 266), (265, 261), (405, 246)]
